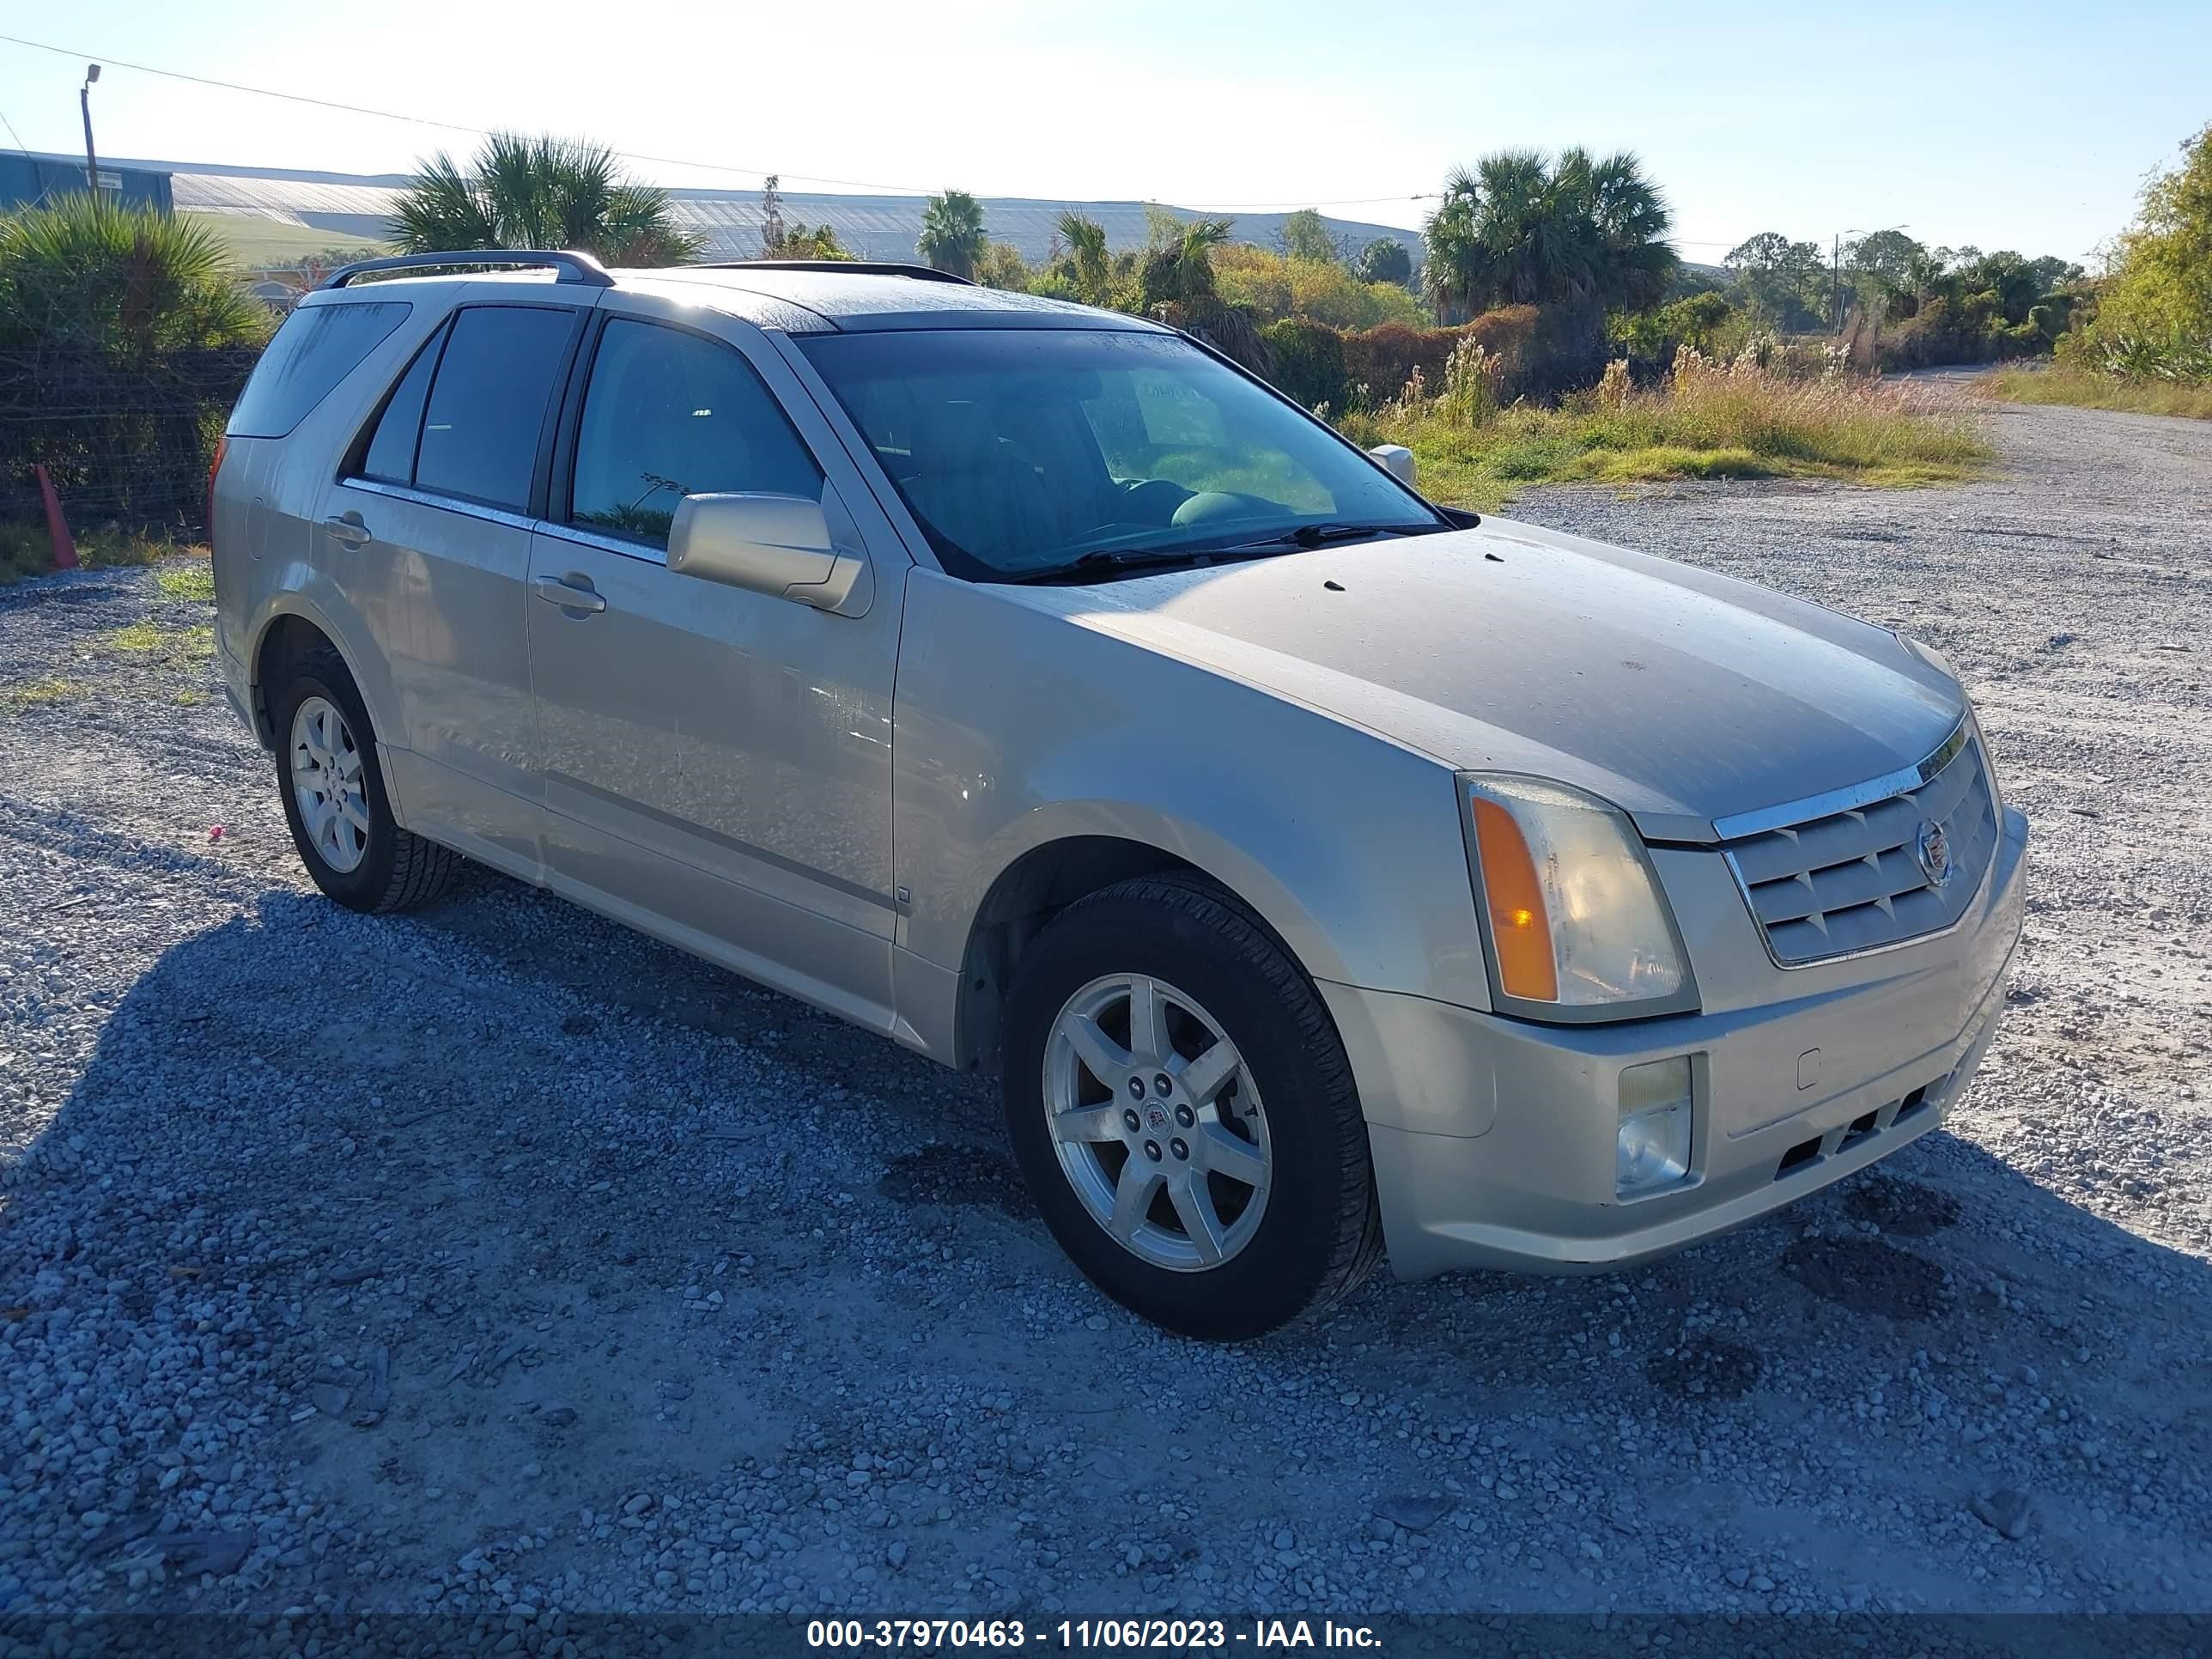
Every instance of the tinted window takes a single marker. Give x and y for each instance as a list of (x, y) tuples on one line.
[(487, 405), (318, 347), (391, 454), (669, 415), (1021, 450)]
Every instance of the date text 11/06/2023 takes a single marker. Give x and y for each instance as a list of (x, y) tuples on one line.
[(1174, 1635)]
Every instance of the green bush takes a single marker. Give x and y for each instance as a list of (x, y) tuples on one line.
[(124, 337), (1697, 320), (1308, 361), (1272, 285), (1538, 351)]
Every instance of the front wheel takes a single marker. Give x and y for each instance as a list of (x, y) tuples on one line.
[(1184, 1114)]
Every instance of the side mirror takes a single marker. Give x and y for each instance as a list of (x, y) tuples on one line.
[(1396, 460), (779, 545)]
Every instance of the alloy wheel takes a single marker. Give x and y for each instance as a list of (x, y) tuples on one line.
[(327, 786), (1157, 1123)]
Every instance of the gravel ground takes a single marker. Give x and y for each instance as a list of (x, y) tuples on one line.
[(493, 1257)]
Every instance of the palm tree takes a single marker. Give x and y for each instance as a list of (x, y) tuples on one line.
[(952, 235), (1180, 271), (126, 334), (86, 274), (1087, 253), (1521, 230), (542, 192)]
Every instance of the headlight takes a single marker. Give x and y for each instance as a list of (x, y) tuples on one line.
[(1576, 920)]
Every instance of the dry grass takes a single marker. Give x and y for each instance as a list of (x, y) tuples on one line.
[(25, 551), (2086, 388), (1704, 422)]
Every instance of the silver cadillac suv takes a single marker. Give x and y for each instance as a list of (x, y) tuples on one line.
[(1321, 871)]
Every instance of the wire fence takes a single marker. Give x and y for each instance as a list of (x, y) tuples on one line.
[(127, 440)]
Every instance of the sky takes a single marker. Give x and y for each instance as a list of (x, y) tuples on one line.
[(2029, 125)]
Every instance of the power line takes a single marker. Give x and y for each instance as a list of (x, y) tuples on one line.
[(12, 133), (667, 161), (431, 121), (627, 154)]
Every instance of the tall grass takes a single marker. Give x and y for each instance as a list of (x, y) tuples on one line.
[(2089, 388), (1705, 419), (26, 550)]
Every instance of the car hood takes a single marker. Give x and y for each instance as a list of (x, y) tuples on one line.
[(1680, 695)]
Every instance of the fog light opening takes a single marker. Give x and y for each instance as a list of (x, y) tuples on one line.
[(1652, 1149)]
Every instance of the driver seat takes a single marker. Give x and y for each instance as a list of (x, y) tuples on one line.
[(975, 491)]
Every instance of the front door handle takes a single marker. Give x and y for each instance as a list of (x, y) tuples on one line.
[(347, 528), (554, 590)]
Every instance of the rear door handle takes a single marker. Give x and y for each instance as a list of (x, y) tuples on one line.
[(348, 528), (554, 590)]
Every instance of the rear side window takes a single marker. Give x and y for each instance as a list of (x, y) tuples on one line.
[(391, 452), (488, 403), (318, 347), (669, 415)]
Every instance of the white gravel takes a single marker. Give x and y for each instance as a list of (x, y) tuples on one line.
[(493, 1258)]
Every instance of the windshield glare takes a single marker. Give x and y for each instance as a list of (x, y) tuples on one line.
[(1020, 449)]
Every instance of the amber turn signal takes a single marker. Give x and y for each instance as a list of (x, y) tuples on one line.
[(1518, 925)]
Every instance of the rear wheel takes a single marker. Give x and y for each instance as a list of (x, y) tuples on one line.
[(1184, 1114), (334, 799)]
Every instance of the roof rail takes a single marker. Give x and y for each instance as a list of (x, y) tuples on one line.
[(849, 267), (571, 266)]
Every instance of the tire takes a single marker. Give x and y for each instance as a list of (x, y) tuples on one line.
[(374, 869), (1079, 1134)]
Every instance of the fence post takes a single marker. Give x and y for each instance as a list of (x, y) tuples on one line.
[(57, 526)]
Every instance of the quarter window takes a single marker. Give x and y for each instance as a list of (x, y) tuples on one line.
[(669, 414), (486, 411), (318, 347), (391, 452)]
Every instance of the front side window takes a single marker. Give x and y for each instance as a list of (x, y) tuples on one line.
[(669, 414), (486, 411), (1023, 450), (317, 347)]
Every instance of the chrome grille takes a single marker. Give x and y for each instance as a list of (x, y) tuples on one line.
[(1848, 874)]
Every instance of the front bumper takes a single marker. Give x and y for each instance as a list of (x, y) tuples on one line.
[(1493, 1139)]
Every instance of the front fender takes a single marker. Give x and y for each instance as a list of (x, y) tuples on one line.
[(1017, 727)]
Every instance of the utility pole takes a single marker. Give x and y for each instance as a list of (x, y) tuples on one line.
[(91, 157), (1836, 285)]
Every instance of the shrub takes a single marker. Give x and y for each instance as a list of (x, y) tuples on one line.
[(2161, 284), (1696, 319), (124, 337), (1308, 361), (1272, 286), (1539, 351), (1705, 418)]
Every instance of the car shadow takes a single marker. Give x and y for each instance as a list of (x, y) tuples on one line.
[(455, 1225)]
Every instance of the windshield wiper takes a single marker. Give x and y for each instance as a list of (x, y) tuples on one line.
[(1116, 561), (1317, 535), (1113, 561)]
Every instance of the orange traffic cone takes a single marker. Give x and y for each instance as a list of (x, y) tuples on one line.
[(57, 526)]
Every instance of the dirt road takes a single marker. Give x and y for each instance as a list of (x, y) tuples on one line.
[(496, 1258)]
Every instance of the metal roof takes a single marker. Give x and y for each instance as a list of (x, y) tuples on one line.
[(355, 207), (864, 300)]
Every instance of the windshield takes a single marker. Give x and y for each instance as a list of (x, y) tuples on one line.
[(1019, 451)]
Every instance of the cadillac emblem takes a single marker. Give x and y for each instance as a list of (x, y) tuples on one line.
[(1933, 848)]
